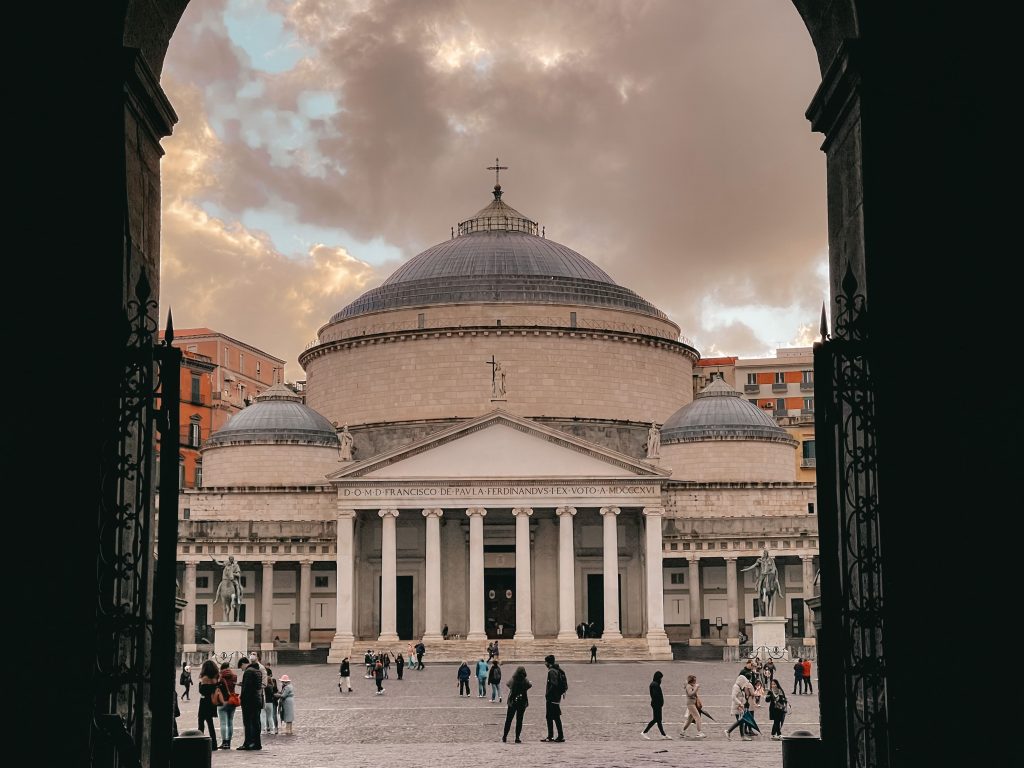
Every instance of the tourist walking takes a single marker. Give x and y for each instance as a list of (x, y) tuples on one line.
[(185, 679), (808, 688), (769, 672), (693, 707), (798, 676), (345, 676), (399, 664), (209, 698), (657, 705), (252, 704), (481, 678), (378, 676), (226, 713), (494, 680), (463, 677), (777, 704), (593, 654), (742, 694), (385, 659), (554, 690), (420, 650), (368, 661), (444, 632), (287, 696), (412, 657), (269, 702), (517, 702)]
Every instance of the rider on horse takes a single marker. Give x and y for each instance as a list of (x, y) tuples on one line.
[(230, 589), (766, 581)]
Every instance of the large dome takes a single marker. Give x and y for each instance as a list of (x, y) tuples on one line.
[(719, 412), (277, 415), (497, 257)]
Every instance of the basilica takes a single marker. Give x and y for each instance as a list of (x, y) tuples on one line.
[(503, 442)]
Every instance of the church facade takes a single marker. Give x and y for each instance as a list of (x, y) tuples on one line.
[(500, 440)]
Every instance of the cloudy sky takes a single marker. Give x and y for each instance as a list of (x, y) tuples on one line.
[(322, 143)]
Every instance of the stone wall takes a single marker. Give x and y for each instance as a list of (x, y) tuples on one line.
[(438, 375), (739, 500), (280, 463), (730, 460), (296, 503)]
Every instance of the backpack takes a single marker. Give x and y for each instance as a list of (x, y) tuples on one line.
[(563, 682), (182, 679)]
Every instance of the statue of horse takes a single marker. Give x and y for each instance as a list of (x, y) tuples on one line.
[(228, 596), (770, 587)]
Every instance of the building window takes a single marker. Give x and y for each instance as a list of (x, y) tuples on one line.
[(258, 366), (194, 432), (572, 319), (181, 471), (199, 475), (780, 377), (202, 582), (808, 449), (320, 582), (186, 513), (780, 406), (810, 507), (677, 578), (752, 378), (421, 320), (197, 392), (225, 356), (809, 404), (806, 377), (241, 362)]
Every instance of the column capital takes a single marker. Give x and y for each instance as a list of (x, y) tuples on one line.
[(809, 556), (346, 514), (693, 559), (191, 564), (610, 510), (560, 511), (306, 563), (386, 512), (476, 511), (433, 512), (267, 563), (654, 511), (516, 511), (732, 558)]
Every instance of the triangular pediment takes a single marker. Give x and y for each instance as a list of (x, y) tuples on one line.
[(499, 445)]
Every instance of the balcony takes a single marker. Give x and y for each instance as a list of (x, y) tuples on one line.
[(808, 462), (806, 411), (751, 389), (777, 387), (806, 386)]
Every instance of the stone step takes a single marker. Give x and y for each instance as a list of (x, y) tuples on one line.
[(455, 651)]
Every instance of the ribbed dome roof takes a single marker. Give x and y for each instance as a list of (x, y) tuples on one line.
[(277, 414), (719, 412), (498, 257)]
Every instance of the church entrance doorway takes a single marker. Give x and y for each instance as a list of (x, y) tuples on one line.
[(595, 601), (500, 602), (403, 606)]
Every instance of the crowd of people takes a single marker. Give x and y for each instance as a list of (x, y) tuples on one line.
[(267, 702)]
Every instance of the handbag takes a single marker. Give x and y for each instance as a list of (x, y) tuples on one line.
[(234, 700)]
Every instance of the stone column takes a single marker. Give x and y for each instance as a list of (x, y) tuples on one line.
[(611, 630), (305, 597), (432, 626), (695, 600), (524, 598), (566, 575), (732, 633), (388, 576), (477, 631), (344, 638), (808, 563), (657, 639), (267, 607), (188, 629)]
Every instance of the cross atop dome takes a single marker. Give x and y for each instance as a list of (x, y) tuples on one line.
[(497, 168)]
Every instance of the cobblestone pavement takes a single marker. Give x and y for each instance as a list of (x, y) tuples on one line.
[(421, 721)]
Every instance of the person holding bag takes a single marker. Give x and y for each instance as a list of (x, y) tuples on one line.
[(226, 712), (209, 698), (778, 707), (517, 702)]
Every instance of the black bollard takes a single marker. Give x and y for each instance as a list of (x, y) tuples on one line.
[(192, 749), (801, 749)]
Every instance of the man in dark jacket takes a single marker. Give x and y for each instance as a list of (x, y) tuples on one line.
[(552, 700), (252, 705), (420, 650), (345, 676)]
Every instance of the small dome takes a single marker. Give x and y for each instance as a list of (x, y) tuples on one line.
[(719, 412), (278, 414)]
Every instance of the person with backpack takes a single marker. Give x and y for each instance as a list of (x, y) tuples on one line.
[(494, 680), (378, 676), (186, 680), (777, 705), (463, 676), (556, 688), (345, 676), (517, 702), (657, 705)]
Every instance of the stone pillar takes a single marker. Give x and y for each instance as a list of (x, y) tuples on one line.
[(566, 575), (808, 563), (188, 629), (657, 639), (344, 637), (267, 607), (305, 597), (477, 631), (695, 600), (388, 576), (732, 633), (524, 598), (432, 626), (611, 630)]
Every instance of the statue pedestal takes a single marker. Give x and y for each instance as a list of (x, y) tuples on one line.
[(230, 639), (770, 637)]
